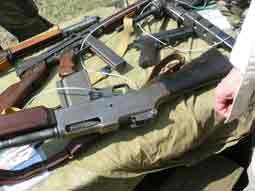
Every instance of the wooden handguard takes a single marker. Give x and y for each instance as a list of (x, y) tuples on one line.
[(27, 120), (18, 93), (150, 53), (31, 43), (37, 39)]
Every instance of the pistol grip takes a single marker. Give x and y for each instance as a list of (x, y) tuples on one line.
[(66, 64), (150, 53)]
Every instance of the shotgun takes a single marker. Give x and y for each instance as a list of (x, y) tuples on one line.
[(104, 114)]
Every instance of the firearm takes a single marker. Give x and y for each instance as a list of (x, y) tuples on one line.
[(10, 55), (102, 114), (203, 28), (193, 25)]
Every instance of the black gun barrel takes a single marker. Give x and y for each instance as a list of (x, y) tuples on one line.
[(83, 24), (28, 138)]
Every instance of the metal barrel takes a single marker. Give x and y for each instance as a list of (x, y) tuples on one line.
[(83, 24), (28, 138)]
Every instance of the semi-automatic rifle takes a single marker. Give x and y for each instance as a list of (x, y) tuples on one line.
[(9, 56)]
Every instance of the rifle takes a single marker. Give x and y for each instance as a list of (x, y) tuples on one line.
[(104, 113), (10, 55)]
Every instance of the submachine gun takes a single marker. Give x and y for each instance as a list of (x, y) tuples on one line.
[(191, 23), (83, 37)]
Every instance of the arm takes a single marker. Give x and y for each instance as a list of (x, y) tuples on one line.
[(231, 91)]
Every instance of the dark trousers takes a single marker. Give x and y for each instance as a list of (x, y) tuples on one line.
[(21, 18)]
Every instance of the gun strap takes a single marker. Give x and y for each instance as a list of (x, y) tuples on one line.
[(163, 66), (75, 147), (125, 36)]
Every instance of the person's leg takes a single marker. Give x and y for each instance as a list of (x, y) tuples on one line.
[(184, 133), (21, 18)]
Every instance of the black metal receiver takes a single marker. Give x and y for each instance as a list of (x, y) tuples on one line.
[(108, 113)]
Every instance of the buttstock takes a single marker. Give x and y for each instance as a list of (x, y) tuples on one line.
[(18, 93), (25, 121), (5, 63)]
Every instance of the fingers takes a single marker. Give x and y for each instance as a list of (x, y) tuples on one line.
[(225, 92), (223, 101)]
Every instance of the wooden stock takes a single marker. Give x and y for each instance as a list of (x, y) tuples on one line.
[(26, 121), (17, 94)]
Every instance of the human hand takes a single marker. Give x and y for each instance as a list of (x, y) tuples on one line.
[(225, 92)]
